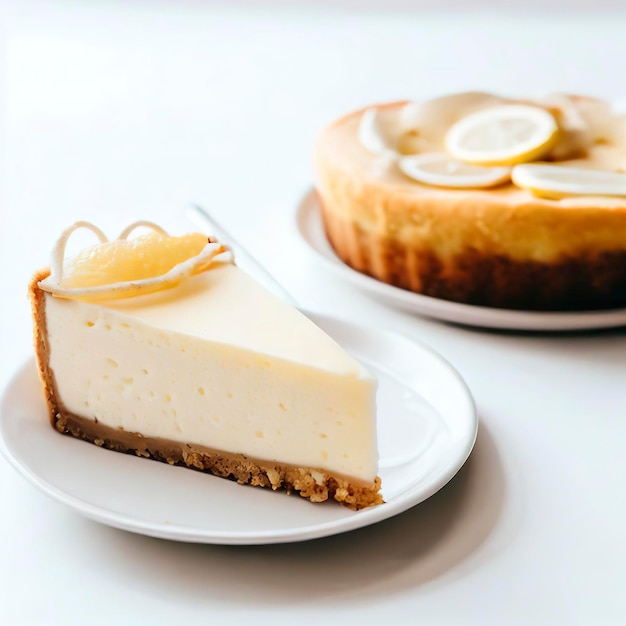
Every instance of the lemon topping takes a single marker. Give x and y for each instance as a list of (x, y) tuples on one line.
[(125, 267), (466, 140), (504, 135), (555, 182), (439, 170)]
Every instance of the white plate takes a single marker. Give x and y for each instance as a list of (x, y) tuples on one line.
[(311, 230), (427, 428)]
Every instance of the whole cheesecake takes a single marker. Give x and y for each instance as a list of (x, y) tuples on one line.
[(499, 247), (211, 372)]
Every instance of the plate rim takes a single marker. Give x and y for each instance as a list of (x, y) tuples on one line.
[(366, 517), (308, 208)]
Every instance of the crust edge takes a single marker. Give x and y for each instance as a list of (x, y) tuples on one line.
[(40, 332)]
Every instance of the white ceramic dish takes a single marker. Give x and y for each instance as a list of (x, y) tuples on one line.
[(427, 428), (311, 230)]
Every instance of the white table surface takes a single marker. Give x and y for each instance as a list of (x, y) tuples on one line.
[(114, 111)]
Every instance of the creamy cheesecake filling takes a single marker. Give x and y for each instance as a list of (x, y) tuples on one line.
[(219, 362)]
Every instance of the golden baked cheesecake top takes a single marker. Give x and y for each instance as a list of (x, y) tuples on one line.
[(589, 135)]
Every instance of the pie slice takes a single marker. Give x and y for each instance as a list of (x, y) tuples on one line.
[(214, 373)]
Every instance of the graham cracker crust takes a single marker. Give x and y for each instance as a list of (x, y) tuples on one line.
[(314, 484), (317, 485)]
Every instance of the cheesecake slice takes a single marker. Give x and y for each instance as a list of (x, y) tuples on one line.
[(214, 373)]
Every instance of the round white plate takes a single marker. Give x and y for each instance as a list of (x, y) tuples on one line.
[(311, 230), (427, 427)]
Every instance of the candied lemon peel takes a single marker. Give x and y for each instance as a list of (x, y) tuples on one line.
[(123, 267)]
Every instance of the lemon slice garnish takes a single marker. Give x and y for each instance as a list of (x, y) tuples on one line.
[(440, 170), (555, 181), (127, 267), (504, 135)]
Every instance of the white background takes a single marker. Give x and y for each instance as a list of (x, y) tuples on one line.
[(116, 111)]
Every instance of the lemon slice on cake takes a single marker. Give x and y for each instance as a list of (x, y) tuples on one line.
[(503, 135), (555, 181), (127, 267), (439, 170)]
